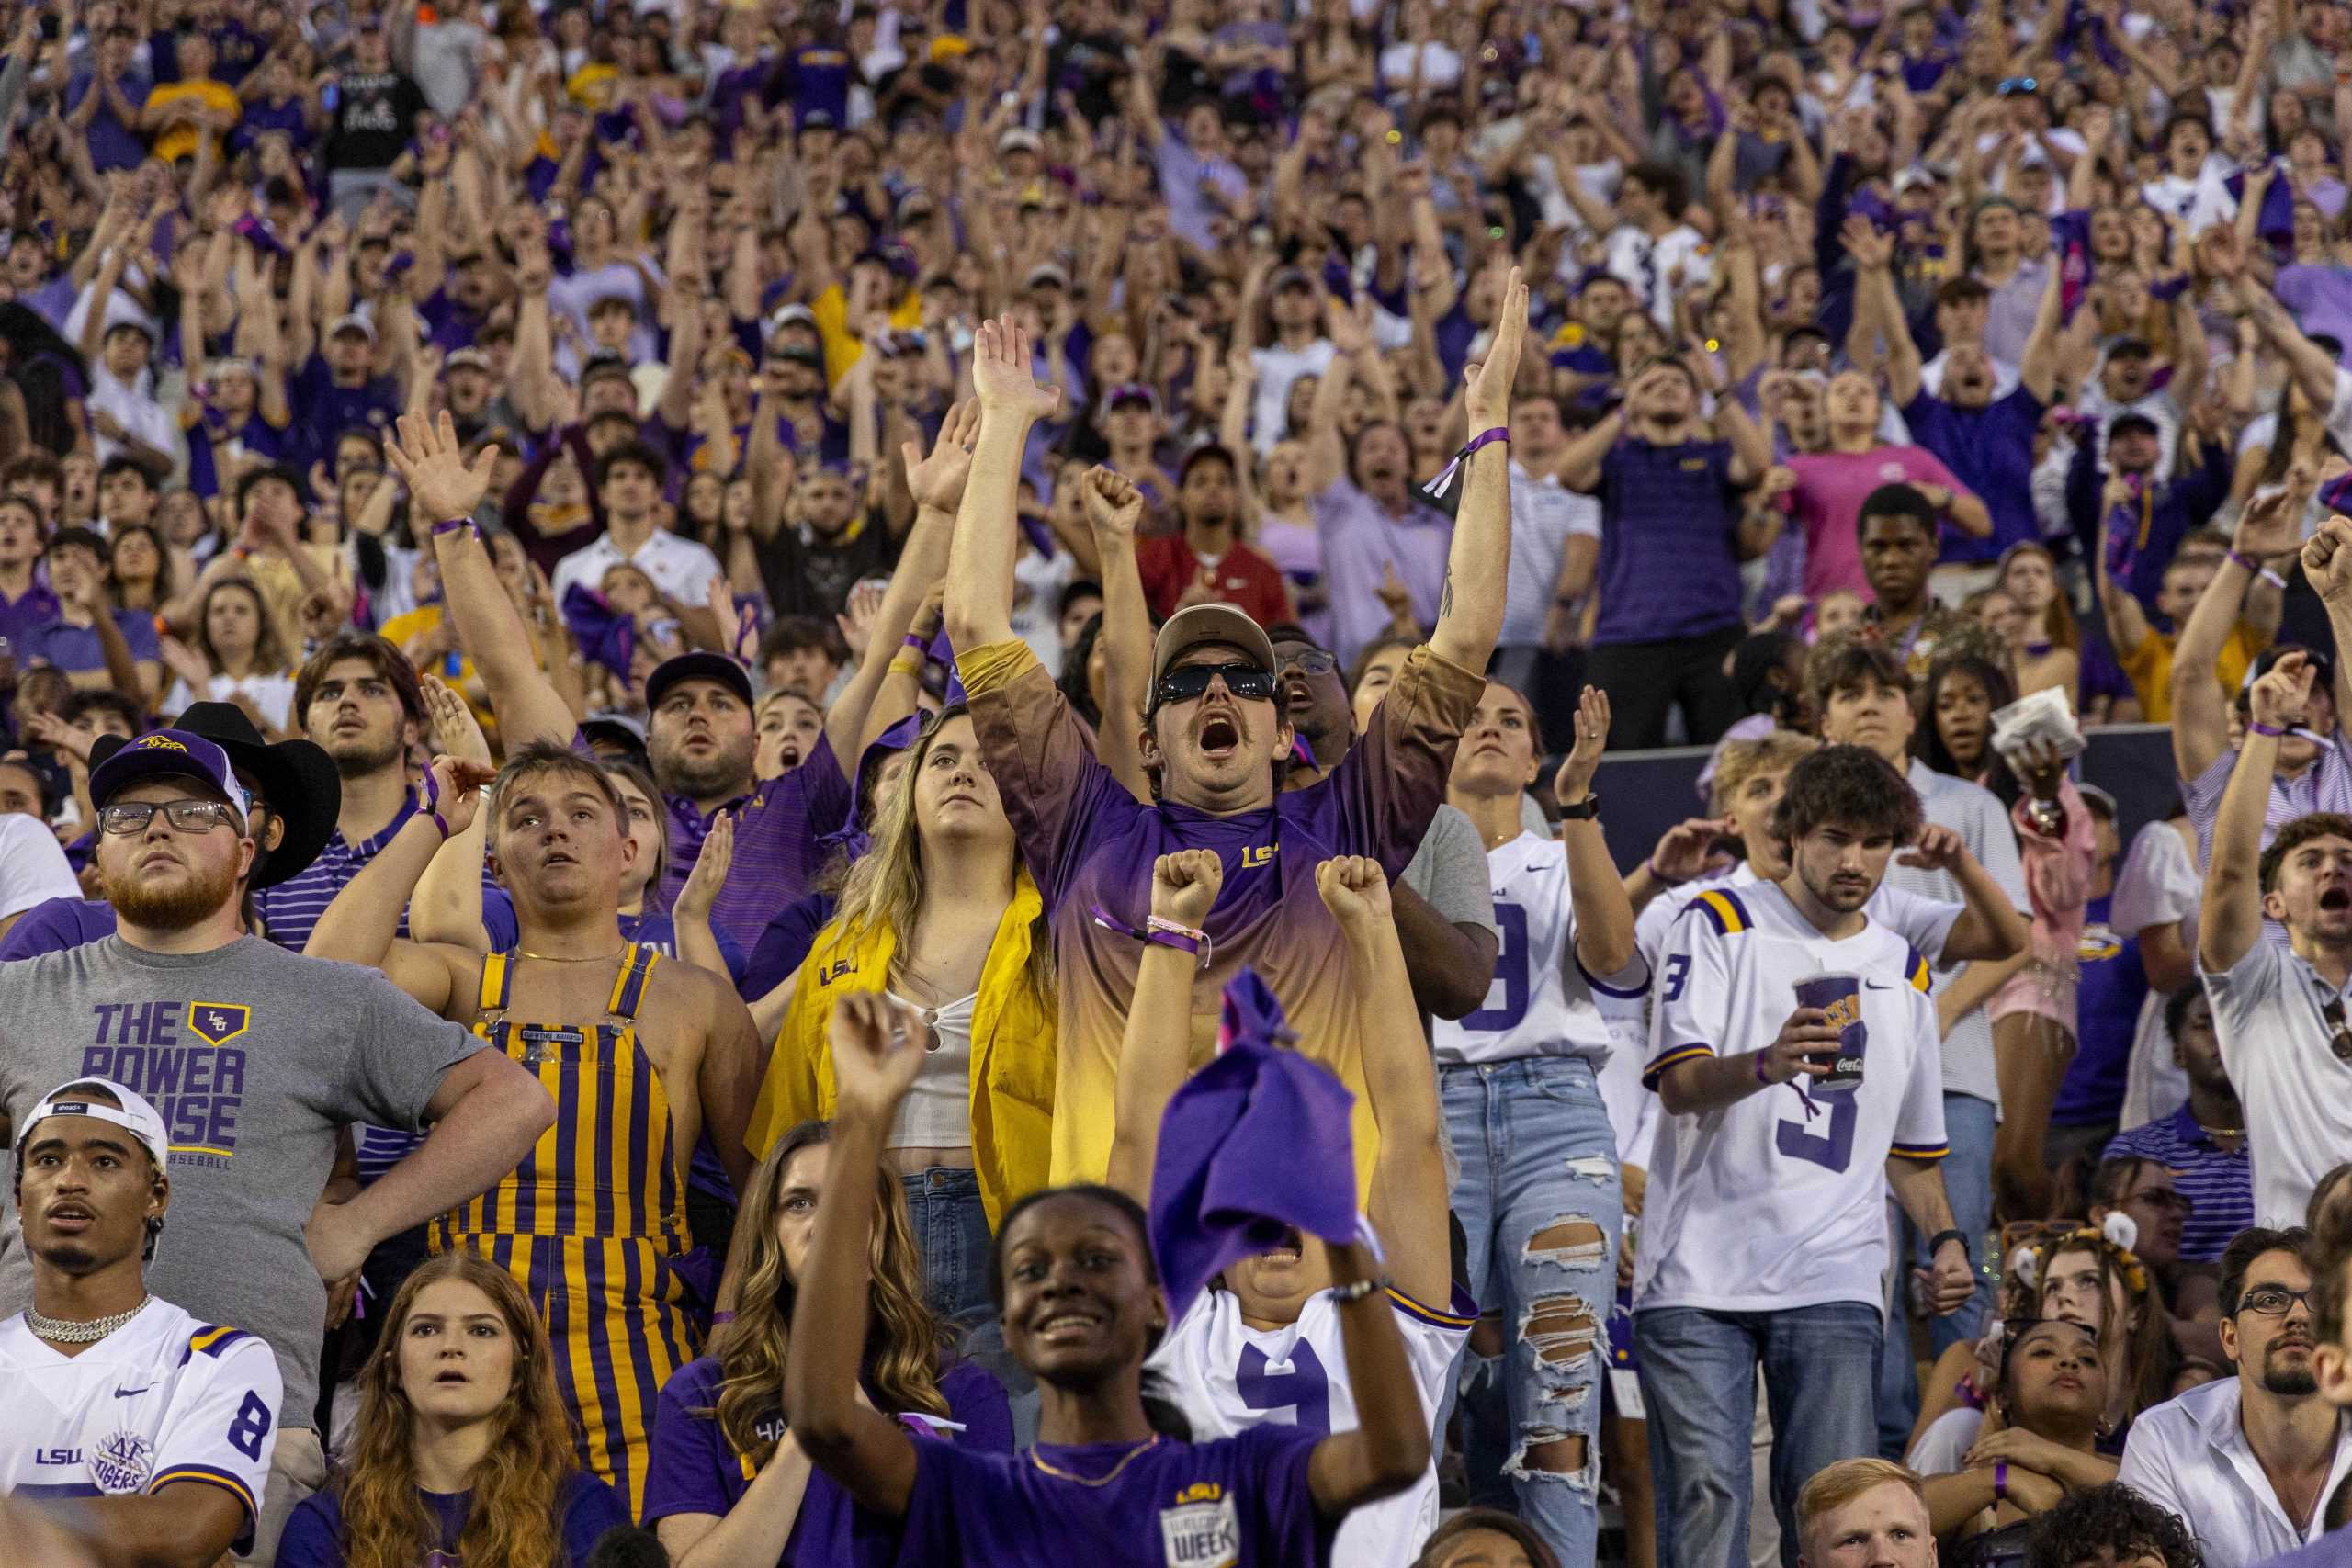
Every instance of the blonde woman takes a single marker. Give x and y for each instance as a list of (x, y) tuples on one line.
[(463, 1451), (728, 1482), (942, 914)]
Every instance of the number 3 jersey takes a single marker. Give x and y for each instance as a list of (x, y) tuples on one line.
[(163, 1400), (1778, 1201), (1227, 1377)]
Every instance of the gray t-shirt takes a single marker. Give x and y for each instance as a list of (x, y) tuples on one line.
[(1977, 813), (253, 1057), (1450, 871)]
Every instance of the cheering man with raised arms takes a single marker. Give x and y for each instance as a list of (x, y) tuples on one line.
[(1216, 733)]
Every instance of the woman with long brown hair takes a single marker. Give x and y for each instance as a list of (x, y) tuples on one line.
[(462, 1446), (728, 1485)]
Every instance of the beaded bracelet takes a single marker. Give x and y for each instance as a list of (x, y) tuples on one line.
[(1343, 1294)]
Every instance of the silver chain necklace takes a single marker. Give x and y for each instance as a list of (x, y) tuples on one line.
[(64, 1331)]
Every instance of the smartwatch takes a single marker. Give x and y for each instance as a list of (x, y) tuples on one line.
[(1584, 810)]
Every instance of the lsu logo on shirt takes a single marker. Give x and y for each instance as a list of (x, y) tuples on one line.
[(181, 1056), (122, 1463), (1257, 856), (1202, 1530)]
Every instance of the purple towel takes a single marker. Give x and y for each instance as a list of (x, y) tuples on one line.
[(604, 634), (852, 836), (1255, 1145)]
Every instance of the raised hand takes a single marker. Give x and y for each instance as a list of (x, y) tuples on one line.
[(1687, 850), (856, 619), (1870, 250), (878, 1047), (1486, 383), (453, 786), (430, 461), (2327, 559), (937, 482), (1113, 504), (1574, 781), (1000, 375), (2281, 698), (1184, 885), (1355, 889), (185, 662), (451, 719), (712, 862), (1936, 849)]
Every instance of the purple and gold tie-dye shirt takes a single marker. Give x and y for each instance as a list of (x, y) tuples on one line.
[(1088, 842)]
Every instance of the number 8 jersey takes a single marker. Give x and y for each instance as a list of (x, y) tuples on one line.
[(164, 1399), (1779, 1200)]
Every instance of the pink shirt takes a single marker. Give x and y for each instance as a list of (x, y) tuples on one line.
[(1831, 488)]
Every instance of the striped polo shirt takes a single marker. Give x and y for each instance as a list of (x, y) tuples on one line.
[(292, 908), (2218, 1182)]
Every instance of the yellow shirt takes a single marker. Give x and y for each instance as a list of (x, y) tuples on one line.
[(1012, 1050), (2149, 668), (180, 140), (843, 346)]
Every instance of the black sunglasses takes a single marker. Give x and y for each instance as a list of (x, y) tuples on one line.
[(1247, 682)]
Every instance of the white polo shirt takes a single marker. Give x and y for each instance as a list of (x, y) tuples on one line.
[(678, 565), (2280, 1056), (2190, 1455)]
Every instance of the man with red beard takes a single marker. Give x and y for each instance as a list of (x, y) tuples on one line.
[(253, 1056)]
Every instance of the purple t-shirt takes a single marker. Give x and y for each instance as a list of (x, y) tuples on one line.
[(1669, 530), (1831, 488), (1241, 1500), (2320, 297), (76, 649), (586, 1508), (1991, 449), (693, 1469)]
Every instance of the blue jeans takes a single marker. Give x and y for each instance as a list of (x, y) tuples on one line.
[(1699, 1383), (1968, 1185), (1540, 1207), (951, 1230)]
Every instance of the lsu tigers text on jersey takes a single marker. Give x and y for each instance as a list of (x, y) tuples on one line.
[(1778, 1201), (163, 1401), (1541, 1003), (1228, 1377)]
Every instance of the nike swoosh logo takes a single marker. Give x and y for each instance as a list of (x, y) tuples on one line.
[(129, 1392), (1877, 986)]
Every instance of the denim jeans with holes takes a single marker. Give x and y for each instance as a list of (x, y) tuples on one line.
[(1539, 1203)]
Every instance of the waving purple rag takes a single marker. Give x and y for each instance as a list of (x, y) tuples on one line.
[(1254, 1144), (604, 634)]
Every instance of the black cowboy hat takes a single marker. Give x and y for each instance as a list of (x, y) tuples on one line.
[(296, 779)]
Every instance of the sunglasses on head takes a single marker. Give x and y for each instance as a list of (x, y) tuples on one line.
[(1247, 682)]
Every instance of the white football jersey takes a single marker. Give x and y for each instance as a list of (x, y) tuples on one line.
[(1778, 1200), (1541, 1003), (1925, 923), (1226, 1376), (162, 1400)]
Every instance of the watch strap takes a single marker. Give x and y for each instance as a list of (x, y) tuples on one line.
[(1584, 810), (1936, 1242)]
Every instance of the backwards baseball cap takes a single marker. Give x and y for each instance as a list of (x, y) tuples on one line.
[(698, 666), (134, 1116), (167, 753), (1201, 625)]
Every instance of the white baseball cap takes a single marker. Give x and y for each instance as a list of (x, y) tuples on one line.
[(135, 1116)]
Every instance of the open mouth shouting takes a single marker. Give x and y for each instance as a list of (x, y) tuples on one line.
[(1219, 735)]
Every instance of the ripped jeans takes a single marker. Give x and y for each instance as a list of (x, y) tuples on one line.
[(1539, 1203)]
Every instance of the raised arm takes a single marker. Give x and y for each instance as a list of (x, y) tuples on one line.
[(1157, 1046), (875, 1054), (980, 562), (2230, 921), (362, 924), (1113, 509), (2038, 368), (1408, 1177), (2327, 566), (1604, 913), (1989, 926), (2312, 367), (1877, 304), (440, 482), (1470, 606), (445, 907), (2200, 708)]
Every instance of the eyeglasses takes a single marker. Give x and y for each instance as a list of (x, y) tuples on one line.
[(2273, 1301), (1247, 682), (187, 815), (1308, 662)]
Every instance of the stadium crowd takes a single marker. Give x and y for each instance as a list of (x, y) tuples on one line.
[(606, 606)]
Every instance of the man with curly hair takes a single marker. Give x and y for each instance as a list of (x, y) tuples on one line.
[(2112, 1527)]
